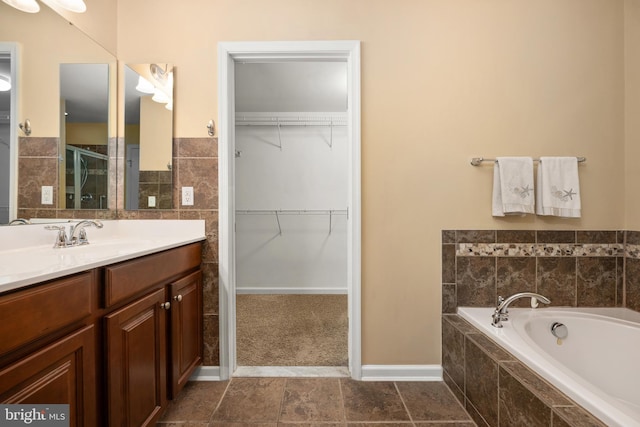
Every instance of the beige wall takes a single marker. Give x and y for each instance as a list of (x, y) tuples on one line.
[(442, 81), (632, 113), (155, 135)]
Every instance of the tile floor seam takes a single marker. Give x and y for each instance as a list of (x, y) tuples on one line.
[(406, 408), (224, 393), (344, 409), (284, 389)]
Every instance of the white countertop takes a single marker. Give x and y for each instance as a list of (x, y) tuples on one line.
[(27, 255)]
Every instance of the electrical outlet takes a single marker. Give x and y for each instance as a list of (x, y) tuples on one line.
[(47, 195), (187, 196), (151, 202)]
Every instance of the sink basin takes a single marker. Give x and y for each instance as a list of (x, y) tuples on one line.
[(25, 260)]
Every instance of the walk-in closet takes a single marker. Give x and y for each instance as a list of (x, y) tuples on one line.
[(291, 194)]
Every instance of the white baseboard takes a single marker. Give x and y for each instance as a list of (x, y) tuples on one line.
[(274, 291), (401, 372), (206, 373)]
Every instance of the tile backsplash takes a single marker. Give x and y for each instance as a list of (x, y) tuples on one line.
[(572, 268)]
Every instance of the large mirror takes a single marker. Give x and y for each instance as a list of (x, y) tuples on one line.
[(84, 136), (48, 177), (148, 136)]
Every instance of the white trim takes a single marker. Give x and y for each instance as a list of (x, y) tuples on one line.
[(228, 53), (290, 291), (12, 49), (206, 373), (402, 373), (292, 371)]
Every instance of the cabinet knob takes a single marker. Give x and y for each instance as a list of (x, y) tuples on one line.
[(165, 305), (178, 298)]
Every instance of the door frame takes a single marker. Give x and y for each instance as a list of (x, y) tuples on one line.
[(12, 49), (228, 54)]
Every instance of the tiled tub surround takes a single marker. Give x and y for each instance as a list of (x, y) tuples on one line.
[(572, 268), (497, 389)]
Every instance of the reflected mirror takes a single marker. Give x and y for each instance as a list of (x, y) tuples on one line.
[(84, 136), (41, 159), (148, 136), (5, 135)]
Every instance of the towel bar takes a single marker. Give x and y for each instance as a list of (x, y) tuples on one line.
[(477, 161)]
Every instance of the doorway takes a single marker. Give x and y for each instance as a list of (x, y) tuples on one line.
[(230, 56), (8, 132)]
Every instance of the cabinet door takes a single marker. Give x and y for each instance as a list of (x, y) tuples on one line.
[(60, 373), (136, 362), (186, 329)]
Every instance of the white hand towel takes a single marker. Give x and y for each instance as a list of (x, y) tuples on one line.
[(558, 190), (513, 186)]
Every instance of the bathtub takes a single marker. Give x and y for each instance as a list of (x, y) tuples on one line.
[(597, 365)]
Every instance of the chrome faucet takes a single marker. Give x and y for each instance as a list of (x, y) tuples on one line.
[(501, 313), (77, 234)]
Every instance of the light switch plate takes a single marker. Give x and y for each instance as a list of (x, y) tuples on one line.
[(151, 202), (47, 195), (187, 196)]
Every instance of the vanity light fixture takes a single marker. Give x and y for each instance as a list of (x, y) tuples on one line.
[(76, 6), (5, 83), (160, 96), (31, 6), (144, 85)]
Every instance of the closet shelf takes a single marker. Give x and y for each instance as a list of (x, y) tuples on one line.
[(277, 212), (292, 119)]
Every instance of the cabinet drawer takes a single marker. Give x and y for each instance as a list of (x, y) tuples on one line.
[(131, 277), (33, 313)]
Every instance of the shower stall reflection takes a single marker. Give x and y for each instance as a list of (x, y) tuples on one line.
[(86, 174)]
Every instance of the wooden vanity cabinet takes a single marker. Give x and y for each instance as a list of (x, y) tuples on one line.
[(153, 341), (47, 349), (115, 342), (136, 361), (186, 330)]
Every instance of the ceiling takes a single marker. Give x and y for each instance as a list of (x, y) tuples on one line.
[(310, 86), (85, 88)]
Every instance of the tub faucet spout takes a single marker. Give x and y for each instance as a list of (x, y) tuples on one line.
[(501, 313)]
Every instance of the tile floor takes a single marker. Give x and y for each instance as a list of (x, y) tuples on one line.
[(325, 402)]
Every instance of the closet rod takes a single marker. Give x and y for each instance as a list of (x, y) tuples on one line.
[(278, 212), (291, 123), (477, 161)]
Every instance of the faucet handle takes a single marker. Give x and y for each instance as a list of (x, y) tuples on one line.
[(61, 238), (500, 299)]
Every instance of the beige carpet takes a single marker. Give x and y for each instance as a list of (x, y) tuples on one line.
[(291, 330)]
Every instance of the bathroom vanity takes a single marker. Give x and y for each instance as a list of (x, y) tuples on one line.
[(116, 340)]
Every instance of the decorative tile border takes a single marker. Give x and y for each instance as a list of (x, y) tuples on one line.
[(632, 251), (546, 249)]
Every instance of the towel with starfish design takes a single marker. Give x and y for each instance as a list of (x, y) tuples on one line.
[(558, 190), (513, 186)]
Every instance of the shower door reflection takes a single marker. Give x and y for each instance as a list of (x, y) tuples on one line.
[(86, 174)]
